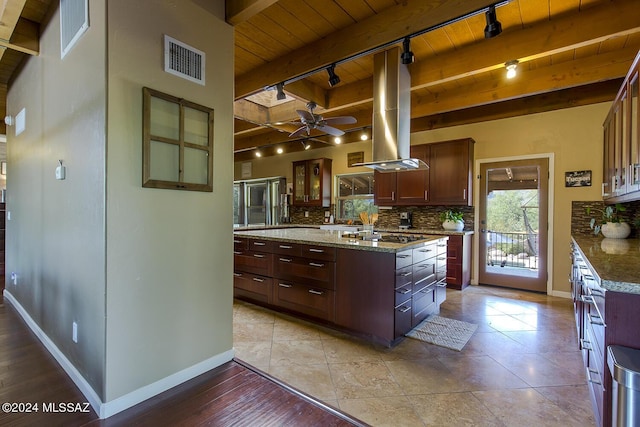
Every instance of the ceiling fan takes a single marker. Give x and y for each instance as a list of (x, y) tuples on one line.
[(310, 121)]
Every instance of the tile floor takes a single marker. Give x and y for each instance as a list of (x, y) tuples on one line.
[(522, 367)]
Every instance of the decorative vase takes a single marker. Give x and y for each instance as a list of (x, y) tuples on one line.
[(453, 225), (616, 230)]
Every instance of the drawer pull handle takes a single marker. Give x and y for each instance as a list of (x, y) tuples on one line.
[(257, 279), (404, 291), (587, 299), (442, 245), (404, 309), (237, 253), (406, 274), (403, 256), (258, 255), (585, 345), (426, 291), (285, 259), (319, 251), (237, 274), (259, 243), (284, 285), (315, 264), (285, 247), (441, 284), (442, 258), (590, 379), (595, 319), (237, 241), (314, 292), (425, 250)]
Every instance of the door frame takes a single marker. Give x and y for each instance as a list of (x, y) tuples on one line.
[(476, 203)]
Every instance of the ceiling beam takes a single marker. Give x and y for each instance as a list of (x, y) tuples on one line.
[(9, 16), (25, 38), (386, 27), (593, 69), (237, 11)]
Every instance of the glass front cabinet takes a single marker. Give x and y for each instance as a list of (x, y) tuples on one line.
[(312, 183)]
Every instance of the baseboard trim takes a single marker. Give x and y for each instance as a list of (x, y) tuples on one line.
[(108, 409)]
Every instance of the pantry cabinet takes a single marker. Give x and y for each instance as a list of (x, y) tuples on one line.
[(621, 143)]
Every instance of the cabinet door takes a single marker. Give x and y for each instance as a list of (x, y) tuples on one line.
[(633, 183), (413, 186), (384, 188), (450, 169), (299, 182)]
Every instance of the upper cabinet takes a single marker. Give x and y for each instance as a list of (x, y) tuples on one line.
[(621, 156), (448, 181), (312, 183)]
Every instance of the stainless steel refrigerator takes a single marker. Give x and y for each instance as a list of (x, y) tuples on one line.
[(260, 202)]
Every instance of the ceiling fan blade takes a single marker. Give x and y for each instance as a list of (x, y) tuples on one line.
[(340, 120), (331, 130), (298, 131), (305, 115)]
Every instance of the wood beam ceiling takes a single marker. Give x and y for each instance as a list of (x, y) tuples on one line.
[(237, 11)]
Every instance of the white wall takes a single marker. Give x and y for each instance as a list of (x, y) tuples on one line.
[(169, 254)]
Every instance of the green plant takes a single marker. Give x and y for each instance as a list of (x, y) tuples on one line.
[(609, 214), (451, 215)]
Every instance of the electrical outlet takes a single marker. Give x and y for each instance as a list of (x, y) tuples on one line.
[(75, 332), (306, 214)]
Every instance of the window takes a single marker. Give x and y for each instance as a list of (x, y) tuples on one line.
[(355, 195), (177, 143)]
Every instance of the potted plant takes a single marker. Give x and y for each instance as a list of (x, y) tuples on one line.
[(452, 219), (611, 225)]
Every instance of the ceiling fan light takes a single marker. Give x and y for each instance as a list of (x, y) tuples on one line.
[(280, 95), (333, 77), (407, 57), (494, 27)]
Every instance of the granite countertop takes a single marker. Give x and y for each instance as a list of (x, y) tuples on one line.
[(315, 236), (616, 262), (434, 231)]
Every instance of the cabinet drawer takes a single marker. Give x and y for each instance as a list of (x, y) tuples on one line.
[(441, 267), (425, 252), (240, 244), (253, 262), (285, 248), (404, 258), (404, 276), (424, 273), (402, 319), (441, 247), (403, 293), (594, 366), (316, 302), (260, 245), (315, 272), (423, 304), (441, 292), (252, 286), (324, 253)]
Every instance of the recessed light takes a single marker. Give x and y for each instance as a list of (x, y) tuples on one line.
[(337, 140), (364, 137), (279, 150), (258, 154)]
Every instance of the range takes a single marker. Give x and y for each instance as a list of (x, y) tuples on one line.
[(385, 237)]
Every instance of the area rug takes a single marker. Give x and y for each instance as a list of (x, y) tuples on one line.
[(445, 332)]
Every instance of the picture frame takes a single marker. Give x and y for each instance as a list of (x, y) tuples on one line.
[(577, 178)]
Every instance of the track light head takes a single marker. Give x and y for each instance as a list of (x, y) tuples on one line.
[(407, 57), (333, 78), (511, 67), (280, 95), (494, 27)]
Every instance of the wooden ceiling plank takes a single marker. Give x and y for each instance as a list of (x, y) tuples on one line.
[(565, 75), (237, 11), (388, 26), (544, 39)]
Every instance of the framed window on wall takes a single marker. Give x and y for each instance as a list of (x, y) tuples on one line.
[(177, 149)]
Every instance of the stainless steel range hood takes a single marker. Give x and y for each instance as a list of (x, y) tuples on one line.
[(391, 115)]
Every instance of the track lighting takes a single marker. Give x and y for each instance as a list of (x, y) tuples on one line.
[(333, 77), (407, 57), (305, 145), (337, 140), (364, 137), (258, 154), (280, 95), (279, 150), (511, 68), (493, 27)]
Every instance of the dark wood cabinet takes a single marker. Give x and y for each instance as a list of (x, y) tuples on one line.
[(312, 183), (451, 172), (448, 181), (621, 142), (459, 261), (603, 318)]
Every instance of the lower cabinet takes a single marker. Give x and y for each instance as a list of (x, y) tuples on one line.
[(312, 301), (459, 261), (253, 287)]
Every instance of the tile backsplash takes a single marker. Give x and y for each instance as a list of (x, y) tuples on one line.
[(580, 220)]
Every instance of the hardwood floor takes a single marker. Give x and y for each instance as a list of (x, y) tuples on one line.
[(231, 394)]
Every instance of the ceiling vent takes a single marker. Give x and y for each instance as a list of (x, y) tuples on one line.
[(74, 21), (183, 60)]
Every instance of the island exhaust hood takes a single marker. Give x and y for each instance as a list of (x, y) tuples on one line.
[(391, 115)]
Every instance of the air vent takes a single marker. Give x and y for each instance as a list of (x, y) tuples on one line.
[(74, 21), (183, 60)]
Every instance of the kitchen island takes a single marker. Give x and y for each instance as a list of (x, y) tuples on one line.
[(378, 290)]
